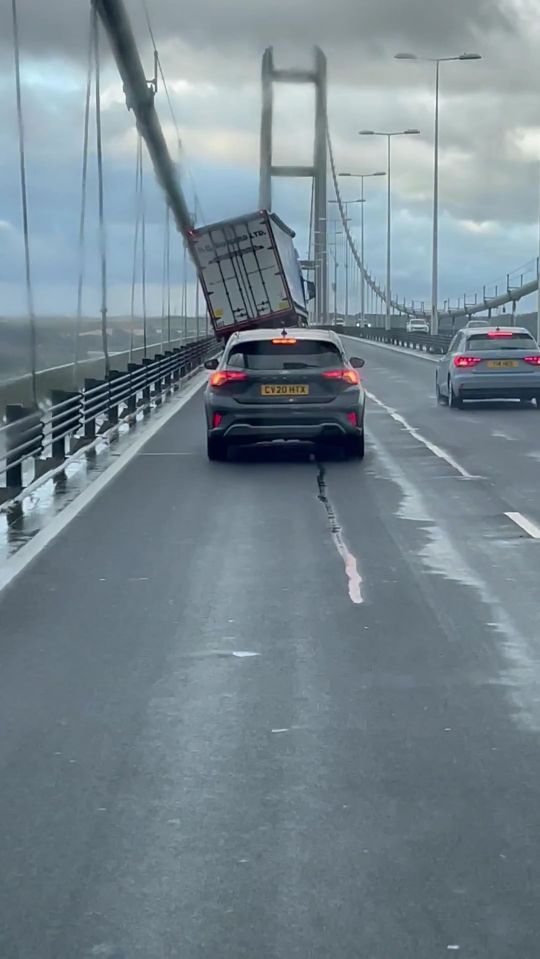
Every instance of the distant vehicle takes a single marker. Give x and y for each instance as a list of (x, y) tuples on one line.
[(340, 322), (475, 323), (417, 326), (293, 385), (250, 273), (498, 363)]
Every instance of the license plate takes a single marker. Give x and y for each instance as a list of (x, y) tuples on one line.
[(284, 389), (503, 364)]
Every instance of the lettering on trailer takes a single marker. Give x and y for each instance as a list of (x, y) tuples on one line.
[(238, 253), (210, 247)]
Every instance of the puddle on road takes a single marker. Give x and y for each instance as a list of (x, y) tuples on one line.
[(443, 555)]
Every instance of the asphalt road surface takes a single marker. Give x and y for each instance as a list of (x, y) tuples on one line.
[(277, 708)]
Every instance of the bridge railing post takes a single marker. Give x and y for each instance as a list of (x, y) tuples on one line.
[(65, 420), (113, 398), (177, 367), (131, 405), (158, 382), (147, 397), (168, 360), (94, 402), (23, 437)]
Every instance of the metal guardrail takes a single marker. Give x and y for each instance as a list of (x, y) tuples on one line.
[(423, 342), (73, 420)]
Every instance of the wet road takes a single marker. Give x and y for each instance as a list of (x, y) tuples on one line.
[(278, 708)]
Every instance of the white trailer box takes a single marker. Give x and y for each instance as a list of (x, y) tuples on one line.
[(249, 272)]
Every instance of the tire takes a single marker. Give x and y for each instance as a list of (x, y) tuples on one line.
[(216, 449), (441, 400), (355, 447), (454, 401)]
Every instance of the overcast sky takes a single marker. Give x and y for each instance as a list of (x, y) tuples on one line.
[(211, 51)]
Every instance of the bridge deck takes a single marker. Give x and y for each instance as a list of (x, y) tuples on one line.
[(364, 783)]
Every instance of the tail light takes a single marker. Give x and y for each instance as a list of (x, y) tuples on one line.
[(350, 376), (533, 360), (284, 341), (216, 419), (500, 334), (353, 419), (465, 362), (220, 377)]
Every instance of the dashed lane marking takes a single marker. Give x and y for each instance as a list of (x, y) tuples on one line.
[(525, 524)]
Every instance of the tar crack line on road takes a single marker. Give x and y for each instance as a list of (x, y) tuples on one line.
[(351, 566)]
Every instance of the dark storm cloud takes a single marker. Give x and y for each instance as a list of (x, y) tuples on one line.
[(237, 27)]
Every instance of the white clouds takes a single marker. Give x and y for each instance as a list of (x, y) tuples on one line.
[(480, 228), (527, 141)]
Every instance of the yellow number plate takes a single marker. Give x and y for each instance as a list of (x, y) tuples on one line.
[(284, 389), (502, 364)]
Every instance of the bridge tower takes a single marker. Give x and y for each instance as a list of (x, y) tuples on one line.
[(316, 76)]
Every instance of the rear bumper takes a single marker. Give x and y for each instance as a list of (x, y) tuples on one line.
[(493, 386), (255, 426)]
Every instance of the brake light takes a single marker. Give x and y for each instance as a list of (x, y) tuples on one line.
[(533, 360), (465, 362), (220, 377), (284, 341), (350, 376), (500, 333)]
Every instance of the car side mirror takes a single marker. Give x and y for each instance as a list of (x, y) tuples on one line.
[(357, 362), (211, 364)]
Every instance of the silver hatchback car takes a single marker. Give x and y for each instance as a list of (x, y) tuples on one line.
[(487, 364)]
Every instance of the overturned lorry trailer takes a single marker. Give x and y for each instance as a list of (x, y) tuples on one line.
[(250, 273)]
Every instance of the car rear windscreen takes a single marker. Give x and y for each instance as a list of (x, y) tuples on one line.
[(301, 355), (516, 341)]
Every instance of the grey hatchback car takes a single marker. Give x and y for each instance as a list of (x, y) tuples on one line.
[(288, 385), (486, 364)]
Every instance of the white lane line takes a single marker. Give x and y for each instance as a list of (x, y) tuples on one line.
[(531, 528), (26, 554), (499, 435), (432, 447)]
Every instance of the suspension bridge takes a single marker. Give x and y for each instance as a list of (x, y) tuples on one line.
[(285, 705)]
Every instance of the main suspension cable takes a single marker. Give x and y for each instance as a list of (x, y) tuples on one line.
[(179, 141)]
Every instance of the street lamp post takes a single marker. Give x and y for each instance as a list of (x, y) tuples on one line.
[(388, 135), (435, 244), (362, 177), (334, 255)]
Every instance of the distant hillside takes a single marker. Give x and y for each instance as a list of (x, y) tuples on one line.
[(56, 339)]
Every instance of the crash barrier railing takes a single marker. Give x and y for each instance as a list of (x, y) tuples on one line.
[(73, 420), (423, 342)]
